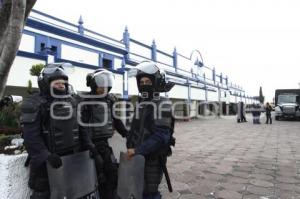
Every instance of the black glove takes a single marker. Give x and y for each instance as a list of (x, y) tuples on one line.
[(125, 134), (54, 160)]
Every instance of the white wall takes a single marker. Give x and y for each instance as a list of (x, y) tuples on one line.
[(197, 94), (212, 96), (118, 63), (179, 92), (19, 73), (232, 99), (132, 87), (79, 55), (27, 43), (78, 78), (140, 50), (118, 84), (223, 98)]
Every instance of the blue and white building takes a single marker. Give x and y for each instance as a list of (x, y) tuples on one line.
[(48, 39)]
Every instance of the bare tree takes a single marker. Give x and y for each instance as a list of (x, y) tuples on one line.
[(13, 14)]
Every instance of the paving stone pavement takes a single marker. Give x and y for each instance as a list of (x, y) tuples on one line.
[(222, 159)]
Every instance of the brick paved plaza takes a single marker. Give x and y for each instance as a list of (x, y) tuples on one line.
[(219, 158)]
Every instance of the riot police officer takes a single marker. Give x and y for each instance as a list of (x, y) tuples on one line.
[(100, 123), (152, 127), (50, 128)]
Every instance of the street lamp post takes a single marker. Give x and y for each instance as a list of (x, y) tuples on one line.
[(196, 60), (194, 57)]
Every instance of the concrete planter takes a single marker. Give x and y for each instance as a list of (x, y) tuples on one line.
[(14, 177)]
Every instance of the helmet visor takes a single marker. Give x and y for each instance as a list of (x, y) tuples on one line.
[(144, 67), (104, 79), (65, 68)]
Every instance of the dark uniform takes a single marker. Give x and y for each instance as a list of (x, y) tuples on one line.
[(102, 124), (268, 113), (50, 130), (150, 136), (152, 128)]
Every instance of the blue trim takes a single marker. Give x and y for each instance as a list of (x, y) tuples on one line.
[(71, 24), (31, 55), (126, 41), (82, 65), (119, 47), (110, 58), (175, 60), (51, 29), (141, 56), (166, 54), (58, 43), (39, 39), (100, 56), (125, 84), (88, 66), (26, 32), (86, 48), (154, 52), (140, 43)]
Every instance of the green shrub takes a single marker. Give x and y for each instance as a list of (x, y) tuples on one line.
[(9, 116), (36, 69)]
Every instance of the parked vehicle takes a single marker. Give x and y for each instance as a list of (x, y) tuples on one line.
[(287, 103)]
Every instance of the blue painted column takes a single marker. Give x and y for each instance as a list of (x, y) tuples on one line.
[(47, 50), (214, 75), (175, 63), (219, 100), (221, 78), (206, 95), (80, 26), (100, 60), (226, 80), (189, 98), (125, 80), (153, 51), (126, 41)]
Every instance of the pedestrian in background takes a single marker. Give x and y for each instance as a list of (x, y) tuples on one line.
[(256, 111), (268, 113)]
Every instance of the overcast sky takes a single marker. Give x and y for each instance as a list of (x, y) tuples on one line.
[(254, 42)]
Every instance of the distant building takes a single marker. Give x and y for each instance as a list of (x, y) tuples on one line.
[(48, 39)]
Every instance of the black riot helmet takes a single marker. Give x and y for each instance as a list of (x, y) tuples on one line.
[(100, 78), (152, 71), (52, 72)]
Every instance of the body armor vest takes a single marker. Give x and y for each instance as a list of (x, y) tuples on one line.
[(101, 120), (147, 115), (60, 128), (157, 113)]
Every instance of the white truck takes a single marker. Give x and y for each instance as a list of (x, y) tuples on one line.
[(287, 103)]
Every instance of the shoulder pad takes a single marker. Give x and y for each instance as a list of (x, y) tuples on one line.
[(30, 108), (77, 97), (75, 100), (112, 97)]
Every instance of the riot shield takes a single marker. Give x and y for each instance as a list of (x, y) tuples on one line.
[(76, 178), (131, 177)]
